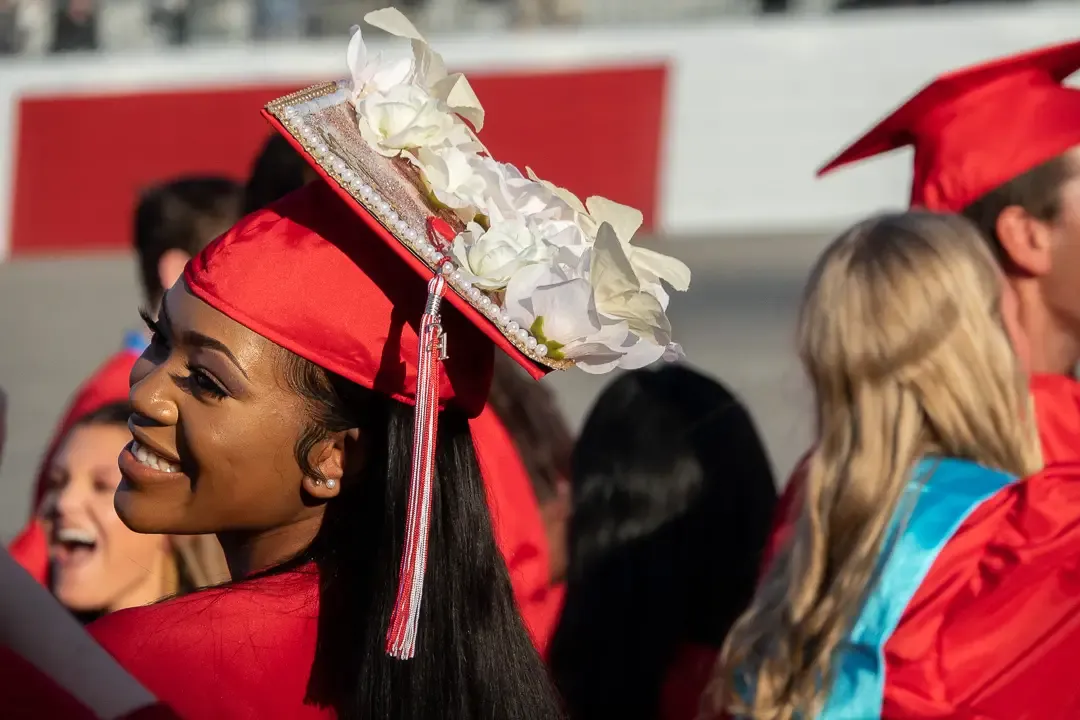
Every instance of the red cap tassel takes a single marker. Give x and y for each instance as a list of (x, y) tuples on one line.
[(401, 636)]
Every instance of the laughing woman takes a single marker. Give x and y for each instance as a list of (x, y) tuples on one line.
[(97, 565), (309, 395)]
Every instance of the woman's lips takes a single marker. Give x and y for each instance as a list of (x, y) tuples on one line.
[(151, 459), (133, 469), (71, 548)]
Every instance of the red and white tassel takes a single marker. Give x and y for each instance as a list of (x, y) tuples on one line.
[(401, 636)]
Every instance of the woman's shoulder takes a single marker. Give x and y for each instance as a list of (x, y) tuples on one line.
[(240, 651), (999, 609), (233, 613)]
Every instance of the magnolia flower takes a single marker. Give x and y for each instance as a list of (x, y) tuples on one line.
[(461, 179), (373, 74), (428, 70), (620, 295), (591, 308), (650, 266), (405, 117), (490, 258)]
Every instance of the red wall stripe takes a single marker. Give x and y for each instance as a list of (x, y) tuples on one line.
[(82, 161)]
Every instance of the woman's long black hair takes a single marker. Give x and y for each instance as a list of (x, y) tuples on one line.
[(474, 658), (673, 498)]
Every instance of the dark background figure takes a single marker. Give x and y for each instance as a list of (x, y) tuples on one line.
[(672, 500), (276, 172), (174, 221), (76, 26)]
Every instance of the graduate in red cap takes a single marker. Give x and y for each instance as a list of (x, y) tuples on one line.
[(1000, 144), (519, 521), (49, 667), (312, 393), (173, 221), (933, 567)]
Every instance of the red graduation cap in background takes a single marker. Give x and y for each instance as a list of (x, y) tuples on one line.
[(977, 128)]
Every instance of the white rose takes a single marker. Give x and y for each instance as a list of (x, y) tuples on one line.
[(560, 305), (373, 74), (450, 172), (405, 117), (490, 258)]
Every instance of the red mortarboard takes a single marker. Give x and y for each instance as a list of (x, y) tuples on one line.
[(351, 273), (977, 128)]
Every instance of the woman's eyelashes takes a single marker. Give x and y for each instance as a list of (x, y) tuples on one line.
[(201, 383), (157, 334)]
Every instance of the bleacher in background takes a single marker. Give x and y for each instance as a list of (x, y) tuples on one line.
[(38, 27)]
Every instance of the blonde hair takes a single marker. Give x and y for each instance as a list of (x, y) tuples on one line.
[(200, 561), (901, 335)]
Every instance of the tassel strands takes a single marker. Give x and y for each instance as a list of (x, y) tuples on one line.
[(404, 621)]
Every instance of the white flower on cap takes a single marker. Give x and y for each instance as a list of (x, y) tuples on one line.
[(568, 272), (405, 117), (592, 308), (489, 258)]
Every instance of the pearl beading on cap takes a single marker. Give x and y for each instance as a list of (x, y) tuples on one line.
[(414, 238)]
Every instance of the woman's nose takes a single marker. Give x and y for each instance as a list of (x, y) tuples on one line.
[(66, 502), (150, 394)]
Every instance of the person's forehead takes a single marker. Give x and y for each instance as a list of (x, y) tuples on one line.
[(93, 439), (187, 313)]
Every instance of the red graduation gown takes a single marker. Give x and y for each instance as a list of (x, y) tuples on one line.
[(1057, 415), (993, 631), (518, 524), (26, 693), (242, 652)]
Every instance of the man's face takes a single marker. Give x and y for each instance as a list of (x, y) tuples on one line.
[(1061, 285)]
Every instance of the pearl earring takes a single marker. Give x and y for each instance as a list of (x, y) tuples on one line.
[(331, 484)]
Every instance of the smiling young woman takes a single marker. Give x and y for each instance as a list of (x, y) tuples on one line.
[(98, 565), (312, 396)]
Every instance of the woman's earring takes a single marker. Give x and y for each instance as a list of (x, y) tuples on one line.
[(331, 484)]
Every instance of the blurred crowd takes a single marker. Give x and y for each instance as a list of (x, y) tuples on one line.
[(282, 415), (55, 26)]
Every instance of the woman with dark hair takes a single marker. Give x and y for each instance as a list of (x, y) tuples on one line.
[(672, 499), (532, 555), (310, 395)]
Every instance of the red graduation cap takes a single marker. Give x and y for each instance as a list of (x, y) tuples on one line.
[(977, 128), (357, 273)]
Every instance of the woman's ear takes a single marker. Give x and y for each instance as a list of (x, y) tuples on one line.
[(333, 460)]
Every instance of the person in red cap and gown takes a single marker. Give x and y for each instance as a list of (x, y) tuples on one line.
[(313, 396), (49, 667), (173, 221), (1000, 143), (932, 573), (520, 528)]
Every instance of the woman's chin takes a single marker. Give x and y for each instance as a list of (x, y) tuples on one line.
[(140, 511), (158, 510)]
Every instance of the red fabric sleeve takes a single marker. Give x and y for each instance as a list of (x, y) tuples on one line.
[(994, 630), (518, 524), (786, 513), (30, 549), (26, 693)]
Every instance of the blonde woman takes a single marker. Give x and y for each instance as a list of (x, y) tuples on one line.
[(924, 578), (98, 565)]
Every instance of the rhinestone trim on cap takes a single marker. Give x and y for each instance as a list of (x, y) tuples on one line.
[(292, 110)]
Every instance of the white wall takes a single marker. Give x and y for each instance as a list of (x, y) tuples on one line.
[(754, 107)]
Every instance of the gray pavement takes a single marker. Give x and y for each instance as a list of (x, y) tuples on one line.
[(59, 318)]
